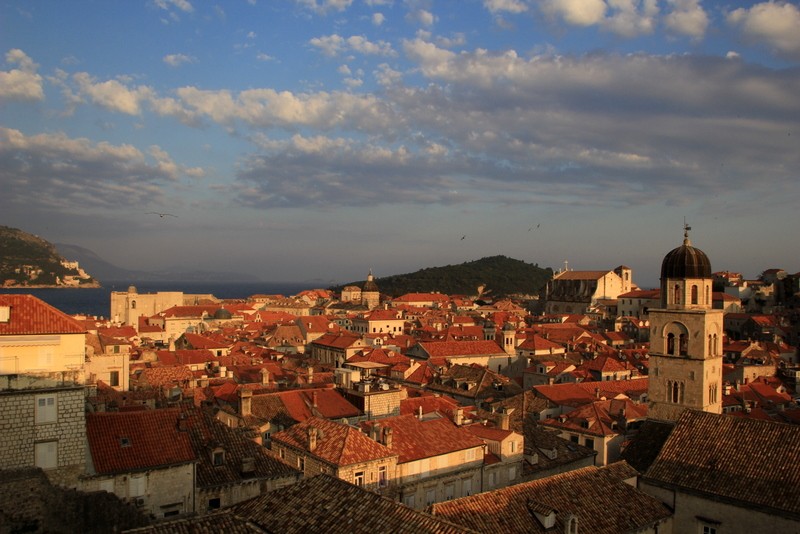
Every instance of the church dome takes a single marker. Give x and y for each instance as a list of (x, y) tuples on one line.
[(222, 315), (685, 261), (370, 285)]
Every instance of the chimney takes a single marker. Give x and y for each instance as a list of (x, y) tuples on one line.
[(314, 399), (419, 412), (458, 416), (171, 344), (504, 418), (375, 432), (597, 393), (311, 375), (245, 402), (264, 376), (387, 437), (312, 438)]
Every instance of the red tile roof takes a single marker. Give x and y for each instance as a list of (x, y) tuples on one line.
[(414, 439), (133, 441), (338, 444), (30, 315), (444, 349), (600, 498)]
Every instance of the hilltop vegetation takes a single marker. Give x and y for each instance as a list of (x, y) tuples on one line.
[(26, 260), (495, 276)]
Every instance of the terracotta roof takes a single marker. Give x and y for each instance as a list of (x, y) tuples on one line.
[(414, 439), (713, 455), (599, 498), (219, 521), (30, 315), (326, 504), (451, 349), (338, 444), (133, 441), (581, 275), (207, 433)]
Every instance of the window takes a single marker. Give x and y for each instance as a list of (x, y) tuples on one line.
[(46, 454), (684, 344), (677, 294), (383, 478), (470, 455), (590, 443), (574, 439), (430, 496), (358, 478), (137, 485), (301, 464), (409, 500), (113, 379), (709, 529), (694, 294), (218, 458), (670, 343), (512, 472), (466, 487), (513, 446), (449, 491), (214, 504), (46, 409)]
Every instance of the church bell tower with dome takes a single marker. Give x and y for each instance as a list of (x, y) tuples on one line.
[(685, 338)]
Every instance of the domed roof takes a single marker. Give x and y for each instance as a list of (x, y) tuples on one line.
[(686, 261), (222, 315), (370, 284)]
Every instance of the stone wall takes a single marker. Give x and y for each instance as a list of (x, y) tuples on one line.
[(20, 432)]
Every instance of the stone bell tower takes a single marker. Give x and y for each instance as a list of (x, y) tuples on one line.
[(685, 338)]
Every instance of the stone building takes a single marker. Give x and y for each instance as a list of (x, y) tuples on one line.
[(581, 291), (42, 389), (685, 338)]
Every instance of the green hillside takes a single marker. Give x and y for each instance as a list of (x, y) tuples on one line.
[(26, 259), (499, 276)]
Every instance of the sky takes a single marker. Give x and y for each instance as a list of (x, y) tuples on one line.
[(316, 140)]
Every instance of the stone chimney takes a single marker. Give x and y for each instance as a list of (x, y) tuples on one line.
[(245, 402), (311, 375), (458, 416), (265, 379), (171, 344), (312, 438), (505, 416), (314, 399), (387, 437)]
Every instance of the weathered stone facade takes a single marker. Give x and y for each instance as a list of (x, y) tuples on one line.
[(45, 428)]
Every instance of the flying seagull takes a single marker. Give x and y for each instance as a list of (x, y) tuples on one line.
[(162, 215), (463, 237)]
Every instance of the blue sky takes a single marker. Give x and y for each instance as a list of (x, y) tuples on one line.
[(318, 139)]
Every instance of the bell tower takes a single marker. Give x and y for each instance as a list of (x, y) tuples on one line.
[(685, 338)]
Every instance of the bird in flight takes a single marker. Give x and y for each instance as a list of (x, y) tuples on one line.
[(537, 226), (162, 215), (463, 237)]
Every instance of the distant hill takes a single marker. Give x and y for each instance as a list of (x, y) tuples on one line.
[(493, 277), (106, 271), (29, 260)]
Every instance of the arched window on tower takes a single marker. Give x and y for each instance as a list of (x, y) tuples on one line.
[(694, 294), (708, 296), (677, 294), (710, 345), (133, 304), (684, 345), (670, 343), (714, 346), (675, 392)]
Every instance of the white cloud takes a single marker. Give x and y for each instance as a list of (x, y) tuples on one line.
[(378, 19), (74, 174), (509, 6), (775, 24), (577, 12), (324, 6), (333, 45), (176, 60), (22, 83), (630, 18), (687, 17), (421, 16), (182, 5), (112, 94), (261, 56)]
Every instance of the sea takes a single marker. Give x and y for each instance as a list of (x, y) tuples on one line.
[(96, 301)]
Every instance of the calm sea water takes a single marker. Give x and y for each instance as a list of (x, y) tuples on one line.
[(97, 301)]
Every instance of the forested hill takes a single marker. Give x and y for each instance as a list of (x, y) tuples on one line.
[(497, 276), (26, 259)]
